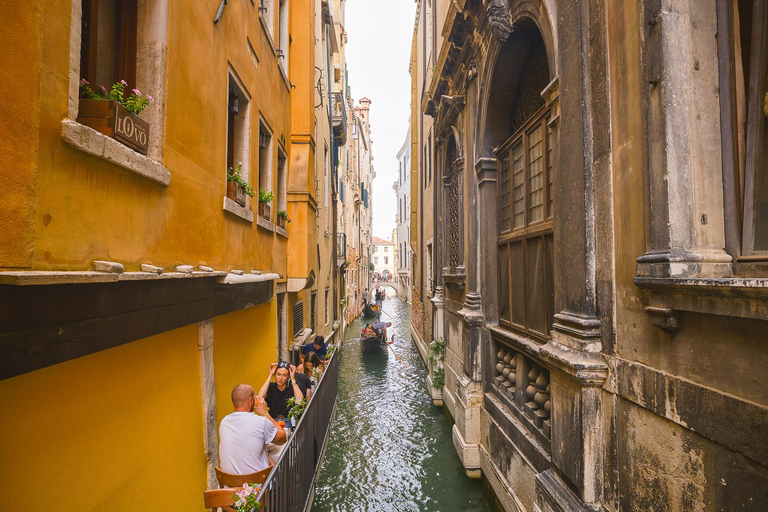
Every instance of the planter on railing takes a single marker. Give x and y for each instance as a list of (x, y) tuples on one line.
[(116, 121), (281, 222)]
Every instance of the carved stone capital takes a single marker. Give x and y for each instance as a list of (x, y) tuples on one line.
[(500, 20), (472, 312)]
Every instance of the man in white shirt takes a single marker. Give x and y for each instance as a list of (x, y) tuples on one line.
[(244, 436)]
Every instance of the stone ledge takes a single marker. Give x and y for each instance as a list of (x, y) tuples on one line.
[(280, 231), (264, 223), (90, 141), (237, 210), (46, 277)]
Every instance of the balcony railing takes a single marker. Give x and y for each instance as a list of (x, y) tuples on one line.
[(339, 116), (292, 481)]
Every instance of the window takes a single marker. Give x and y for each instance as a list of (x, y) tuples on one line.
[(282, 181), (327, 188), (282, 327), (283, 40), (386, 249), (376, 260), (743, 56), (429, 158), (267, 11), (327, 308), (386, 260), (265, 157), (108, 43), (525, 244), (429, 268), (298, 318), (238, 130), (313, 312)]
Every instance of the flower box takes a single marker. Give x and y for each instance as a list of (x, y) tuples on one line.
[(236, 193), (265, 210), (281, 222), (116, 121)]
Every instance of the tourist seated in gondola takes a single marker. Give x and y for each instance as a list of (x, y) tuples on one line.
[(368, 332)]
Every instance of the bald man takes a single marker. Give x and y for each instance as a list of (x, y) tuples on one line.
[(244, 436)]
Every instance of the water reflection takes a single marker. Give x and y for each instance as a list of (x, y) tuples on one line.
[(390, 449)]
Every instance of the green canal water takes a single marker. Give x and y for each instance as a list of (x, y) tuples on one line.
[(390, 448)]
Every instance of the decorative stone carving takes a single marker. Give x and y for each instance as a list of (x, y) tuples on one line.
[(500, 20), (539, 406)]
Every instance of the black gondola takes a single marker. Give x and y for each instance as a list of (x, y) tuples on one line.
[(373, 345), (372, 310)]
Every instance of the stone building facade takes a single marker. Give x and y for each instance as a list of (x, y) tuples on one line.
[(599, 233), (402, 187)]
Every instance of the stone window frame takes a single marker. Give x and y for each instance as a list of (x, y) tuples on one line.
[(152, 49), (686, 266), (267, 19), (242, 142)]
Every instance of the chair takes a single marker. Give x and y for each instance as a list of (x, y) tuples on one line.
[(220, 498), (224, 499), (230, 480)]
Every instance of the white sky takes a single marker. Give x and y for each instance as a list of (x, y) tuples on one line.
[(378, 54)]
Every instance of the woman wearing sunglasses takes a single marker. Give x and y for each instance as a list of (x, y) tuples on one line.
[(285, 386)]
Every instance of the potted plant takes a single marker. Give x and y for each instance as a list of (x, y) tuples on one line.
[(282, 219), (295, 410), (264, 209), (244, 500), (237, 187), (114, 115)]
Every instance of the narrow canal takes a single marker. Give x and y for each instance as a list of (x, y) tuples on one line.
[(390, 448)]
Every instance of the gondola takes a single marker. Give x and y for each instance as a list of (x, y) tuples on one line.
[(379, 295), (372, 310), (373, 345)]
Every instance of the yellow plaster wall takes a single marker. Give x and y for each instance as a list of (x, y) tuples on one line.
[(119, 430), (84, 208), (245, 343), (19, 130)]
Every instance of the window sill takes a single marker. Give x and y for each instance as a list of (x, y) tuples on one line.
[(283, 73), (237, 210), (90, 141), (737, 297), (280, 231), (264, 223)]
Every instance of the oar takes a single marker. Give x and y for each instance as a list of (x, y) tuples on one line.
[(390, 316), (393, 350)]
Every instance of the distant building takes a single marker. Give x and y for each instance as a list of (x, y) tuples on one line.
[(383, 259), (403, 220)]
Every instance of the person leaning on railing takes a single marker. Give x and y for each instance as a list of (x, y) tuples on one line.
[(244, 436)]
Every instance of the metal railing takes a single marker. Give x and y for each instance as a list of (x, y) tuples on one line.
[(291, 482)]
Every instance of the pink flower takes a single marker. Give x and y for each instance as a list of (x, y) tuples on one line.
[(124, 82), (150, 98), (83, 82), (137, 92), (239, 163), (103, 89)]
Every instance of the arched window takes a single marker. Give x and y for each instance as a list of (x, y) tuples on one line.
[(525, 164), (455, 194)]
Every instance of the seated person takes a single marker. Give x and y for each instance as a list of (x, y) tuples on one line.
[(310, 363), (244, 436), (277, 393), (368, 332), (318, 346)]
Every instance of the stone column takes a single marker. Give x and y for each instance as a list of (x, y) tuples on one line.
[(208, 387), (581, 123), (687, 234)]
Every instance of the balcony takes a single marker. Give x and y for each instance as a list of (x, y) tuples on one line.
[(339, 117)]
